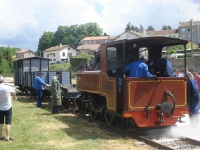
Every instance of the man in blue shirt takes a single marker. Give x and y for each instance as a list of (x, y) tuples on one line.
[(194, 99), (139, 69), (38, 85), (164, 67)]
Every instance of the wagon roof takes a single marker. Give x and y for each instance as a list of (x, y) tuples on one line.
[(156, 40)]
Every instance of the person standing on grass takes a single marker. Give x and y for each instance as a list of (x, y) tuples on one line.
[(197, 78), (6, 108), (194, 99), (38, 85), (56, 93)]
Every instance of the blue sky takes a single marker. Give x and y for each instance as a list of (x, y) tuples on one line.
[(22, 22)]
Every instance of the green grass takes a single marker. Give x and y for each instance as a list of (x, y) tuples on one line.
[(37, 129)]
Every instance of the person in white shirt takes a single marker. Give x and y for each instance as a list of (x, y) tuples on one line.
[(6, 93)]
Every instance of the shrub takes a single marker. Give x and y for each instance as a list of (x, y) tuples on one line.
[(74, 61), (187, 55)]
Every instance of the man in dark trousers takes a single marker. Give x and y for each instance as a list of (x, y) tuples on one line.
[(38, 86), (56, 93), (194, 99), (6, 108)]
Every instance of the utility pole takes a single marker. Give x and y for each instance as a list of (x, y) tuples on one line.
[(191, 38)]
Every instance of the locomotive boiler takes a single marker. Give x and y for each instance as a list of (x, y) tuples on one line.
[(108, 91)]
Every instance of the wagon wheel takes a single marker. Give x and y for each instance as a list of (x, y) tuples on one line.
[(110, 118), (94, 113)]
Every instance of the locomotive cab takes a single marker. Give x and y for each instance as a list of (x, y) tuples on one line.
[(147, 102)]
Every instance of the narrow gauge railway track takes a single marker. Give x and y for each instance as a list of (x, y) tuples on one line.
[(158, 141), (170, 143)]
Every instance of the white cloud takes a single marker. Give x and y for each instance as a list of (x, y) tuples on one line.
[(29, 19)]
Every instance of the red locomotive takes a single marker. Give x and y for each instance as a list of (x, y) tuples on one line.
[(109, 92)]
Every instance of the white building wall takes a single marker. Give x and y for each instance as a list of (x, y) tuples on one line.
[(57, 55), (126, 35)]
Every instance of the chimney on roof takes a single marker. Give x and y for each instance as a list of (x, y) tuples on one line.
[(144, 33), (108, 38), (60, 45)]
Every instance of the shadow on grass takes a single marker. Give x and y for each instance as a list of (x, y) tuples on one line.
[(76, 127), (81, 129)]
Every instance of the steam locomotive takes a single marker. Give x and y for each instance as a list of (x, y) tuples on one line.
[(109, 92)]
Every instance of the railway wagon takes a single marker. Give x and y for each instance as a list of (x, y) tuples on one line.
[(26, 70), (111, 93)]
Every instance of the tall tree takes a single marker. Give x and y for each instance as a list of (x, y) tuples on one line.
[(8, 57), (105, 34), (169, 27), (128, 27), (150, 28), (166, 27), (45, 42), (75, 33), (141, 28)]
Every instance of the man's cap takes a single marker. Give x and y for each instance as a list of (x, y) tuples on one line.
[(40, 73), (58, 72)]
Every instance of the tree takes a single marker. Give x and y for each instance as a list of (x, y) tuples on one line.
[(128, 27), (105, 34), (150, 28), (166, 27), (85, 55), (169, 27), (73, 34), (8, 58), (141, 29), (45, 42)]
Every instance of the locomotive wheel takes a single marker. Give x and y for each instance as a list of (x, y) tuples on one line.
[(94, 113), (110, 118)]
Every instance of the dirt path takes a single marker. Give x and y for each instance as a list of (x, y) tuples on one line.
[(8, 79)]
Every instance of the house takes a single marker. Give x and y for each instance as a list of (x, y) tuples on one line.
[(166, 33), (60, 53), (185, 33), (129, 35), (92, 44), (24, 54)]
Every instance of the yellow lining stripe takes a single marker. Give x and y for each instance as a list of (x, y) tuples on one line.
[(158, 83), (106, 93)]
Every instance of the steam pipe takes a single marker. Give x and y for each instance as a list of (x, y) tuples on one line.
[(174, 103)]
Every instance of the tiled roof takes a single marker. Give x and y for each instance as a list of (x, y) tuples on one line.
[(188, 23), (22, 51), (98, 38), (162, 32), (54, 48), (89, 47)]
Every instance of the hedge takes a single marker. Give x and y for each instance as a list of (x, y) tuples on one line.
[(187, 55), (74, 61)]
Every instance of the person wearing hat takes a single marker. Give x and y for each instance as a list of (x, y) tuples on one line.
[(139, 69), (92, 61), (38, 85), (56, 93)]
